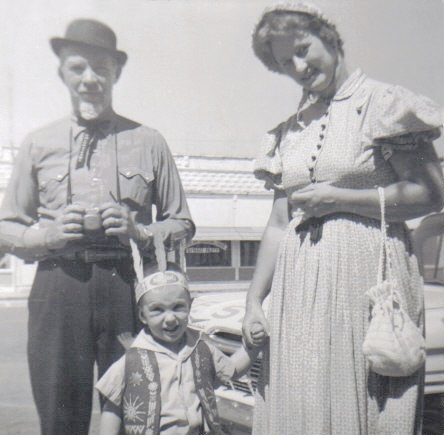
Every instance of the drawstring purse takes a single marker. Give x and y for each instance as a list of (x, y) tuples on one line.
[(394, 345)]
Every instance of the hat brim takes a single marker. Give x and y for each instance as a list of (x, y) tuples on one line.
[(58, 43)]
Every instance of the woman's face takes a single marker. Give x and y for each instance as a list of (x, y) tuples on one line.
[(307, 60)]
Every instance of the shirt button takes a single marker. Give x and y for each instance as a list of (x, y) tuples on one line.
[(313, 180), (311, 169), (318, 146), (321, 136), (95, 179), (128, 173), (313, 158), (323, 126), (59, 176)]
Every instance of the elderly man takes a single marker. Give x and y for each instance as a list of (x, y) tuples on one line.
[(81, 188)]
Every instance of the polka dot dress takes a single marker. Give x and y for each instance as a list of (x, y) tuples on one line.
[(314, 379)]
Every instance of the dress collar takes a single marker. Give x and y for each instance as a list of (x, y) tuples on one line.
[(146, 341), (350, 86), (347, 89)]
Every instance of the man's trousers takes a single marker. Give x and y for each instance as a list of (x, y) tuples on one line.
[(76, 311)]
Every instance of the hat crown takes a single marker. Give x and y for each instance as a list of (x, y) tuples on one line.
[(91, 32)]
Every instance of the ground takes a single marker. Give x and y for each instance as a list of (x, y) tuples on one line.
[(17, 412)]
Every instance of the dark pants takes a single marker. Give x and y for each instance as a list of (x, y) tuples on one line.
[(75, 312)]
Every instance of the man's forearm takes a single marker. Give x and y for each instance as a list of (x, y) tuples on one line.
[(25, 242)]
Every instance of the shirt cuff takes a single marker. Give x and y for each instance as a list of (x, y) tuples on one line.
[(34, 242)]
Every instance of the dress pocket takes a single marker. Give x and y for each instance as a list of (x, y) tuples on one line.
[(136, 186)]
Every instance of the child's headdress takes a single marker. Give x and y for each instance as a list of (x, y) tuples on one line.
[(161, 277)]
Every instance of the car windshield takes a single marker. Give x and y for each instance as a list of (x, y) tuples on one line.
[(432, 255)]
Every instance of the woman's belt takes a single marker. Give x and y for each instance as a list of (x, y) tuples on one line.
[(313, 226)]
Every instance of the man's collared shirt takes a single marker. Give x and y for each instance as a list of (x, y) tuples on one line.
[(181, 412), (129, 162)]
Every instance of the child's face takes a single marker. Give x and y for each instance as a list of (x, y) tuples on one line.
[(165, 311)]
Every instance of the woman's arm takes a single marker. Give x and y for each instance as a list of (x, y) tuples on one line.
[(109, 423), (419, 191), (263, 274)]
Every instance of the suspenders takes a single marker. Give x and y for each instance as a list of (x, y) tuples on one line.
[(141, 411)]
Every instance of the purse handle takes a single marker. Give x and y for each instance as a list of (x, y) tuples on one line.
[(385, 260)]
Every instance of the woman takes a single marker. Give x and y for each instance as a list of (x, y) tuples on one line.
[(320, 249)]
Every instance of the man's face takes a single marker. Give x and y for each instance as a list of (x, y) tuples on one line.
[(89, 74)]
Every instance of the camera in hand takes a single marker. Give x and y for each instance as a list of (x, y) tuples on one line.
[(92, 220)]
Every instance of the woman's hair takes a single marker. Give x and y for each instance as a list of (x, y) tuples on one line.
[(280, 22)]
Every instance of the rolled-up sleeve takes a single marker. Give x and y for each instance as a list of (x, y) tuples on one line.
[(223, 365), (173, 217), (18, 212)]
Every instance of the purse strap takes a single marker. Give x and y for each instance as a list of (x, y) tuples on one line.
[(385, 260)]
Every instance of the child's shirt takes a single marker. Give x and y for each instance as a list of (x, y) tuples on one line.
[(181, 412)]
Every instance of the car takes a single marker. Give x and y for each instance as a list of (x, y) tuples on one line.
[(219, 315)]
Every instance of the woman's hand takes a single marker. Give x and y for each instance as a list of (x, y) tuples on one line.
[(316, 200), (255, 326)]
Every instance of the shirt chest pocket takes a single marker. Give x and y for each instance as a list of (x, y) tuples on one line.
[(136, 186), (53, 187)]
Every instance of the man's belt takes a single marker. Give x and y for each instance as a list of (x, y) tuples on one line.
[(96, 255)]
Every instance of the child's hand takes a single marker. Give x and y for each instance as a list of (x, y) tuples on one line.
[(125, 339)]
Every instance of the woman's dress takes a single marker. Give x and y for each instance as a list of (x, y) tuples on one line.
[(315, 380)]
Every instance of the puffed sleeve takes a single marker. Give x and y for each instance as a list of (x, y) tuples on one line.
[(402, 120), (268, 164)]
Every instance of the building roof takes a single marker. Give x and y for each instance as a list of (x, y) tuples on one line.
[(221, 182)]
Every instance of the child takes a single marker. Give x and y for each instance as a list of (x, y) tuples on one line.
[(164, 383)]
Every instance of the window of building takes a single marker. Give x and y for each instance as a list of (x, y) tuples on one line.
[(249, 250), (209, 254), (248, 256), (210, 261)]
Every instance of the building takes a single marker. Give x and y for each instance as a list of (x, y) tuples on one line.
[(229, 206)]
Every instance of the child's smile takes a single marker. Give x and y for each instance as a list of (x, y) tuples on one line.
[(165, 311)]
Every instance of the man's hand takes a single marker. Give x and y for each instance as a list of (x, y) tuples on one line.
[(66, 227), (117, 220)]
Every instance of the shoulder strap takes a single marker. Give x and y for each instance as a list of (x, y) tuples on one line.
[(141, 398), (204, 377)]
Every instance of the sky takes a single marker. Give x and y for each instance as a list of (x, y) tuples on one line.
[(191, 72)]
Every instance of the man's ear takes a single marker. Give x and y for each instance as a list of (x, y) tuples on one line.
[(118, 73)]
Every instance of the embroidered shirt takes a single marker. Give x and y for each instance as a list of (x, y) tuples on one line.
[(180, 407)]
